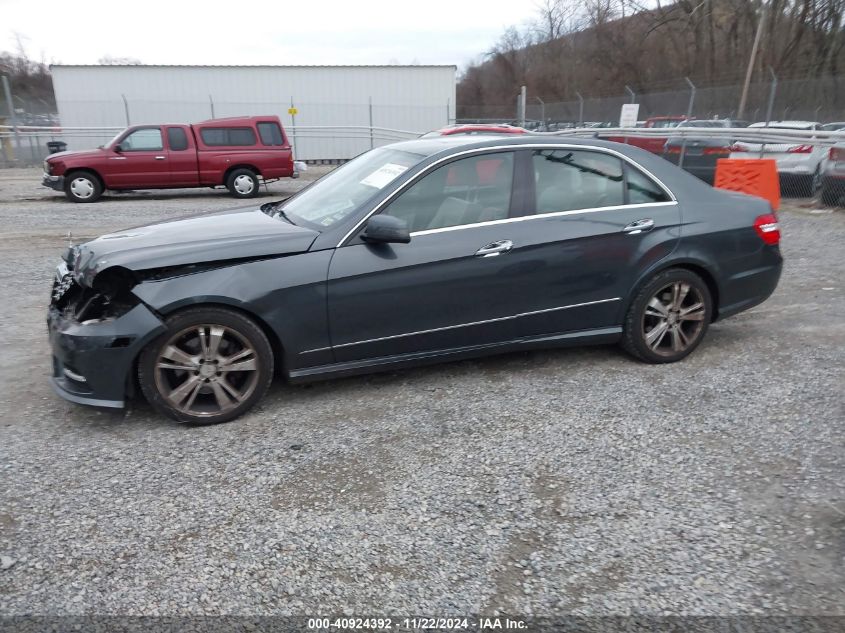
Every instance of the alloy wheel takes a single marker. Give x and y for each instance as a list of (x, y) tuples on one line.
[(206, 370), (674, 318)]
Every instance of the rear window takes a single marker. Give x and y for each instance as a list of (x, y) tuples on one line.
[(270, 133), (227, 136)]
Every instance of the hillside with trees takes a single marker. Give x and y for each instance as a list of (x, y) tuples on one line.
[(597, 47)]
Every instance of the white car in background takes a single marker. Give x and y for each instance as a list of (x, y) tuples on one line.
[(800, 161), (833, 177)]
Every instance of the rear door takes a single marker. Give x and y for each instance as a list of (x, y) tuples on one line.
[(600, 221), (142, 161), (181, 156)]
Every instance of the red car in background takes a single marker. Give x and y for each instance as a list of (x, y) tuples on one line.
[(477, 128), (653, 144), (238, 153)]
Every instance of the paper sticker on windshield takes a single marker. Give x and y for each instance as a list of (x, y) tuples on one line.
[(383, 175)]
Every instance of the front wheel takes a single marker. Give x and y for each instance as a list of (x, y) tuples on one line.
[(82, 186), (210, 366), (668, 318), (243, 183)]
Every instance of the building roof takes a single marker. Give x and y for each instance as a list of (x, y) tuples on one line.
[(253, 66)]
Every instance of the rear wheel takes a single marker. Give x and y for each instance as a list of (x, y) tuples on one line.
[(212, 365), (814, 183), (243, 183), (82, 186), (668, 318)]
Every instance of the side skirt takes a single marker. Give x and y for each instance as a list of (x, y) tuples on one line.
[(415, 359)]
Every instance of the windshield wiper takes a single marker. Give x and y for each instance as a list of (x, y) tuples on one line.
[(274, 209)]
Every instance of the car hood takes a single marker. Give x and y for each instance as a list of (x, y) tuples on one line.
[(85, 153), (217, 237)]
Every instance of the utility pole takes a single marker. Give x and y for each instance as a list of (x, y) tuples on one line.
[(754, 47), (12, 116)]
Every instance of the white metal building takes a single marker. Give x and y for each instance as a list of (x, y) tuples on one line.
[(354, 98)]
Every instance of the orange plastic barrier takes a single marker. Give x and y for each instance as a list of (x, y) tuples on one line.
[(758, 177)]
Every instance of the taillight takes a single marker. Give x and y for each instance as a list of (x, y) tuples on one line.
[(673, 150), (767, 228), (800, 149), (738, 148), (722, 151), (837, 154)]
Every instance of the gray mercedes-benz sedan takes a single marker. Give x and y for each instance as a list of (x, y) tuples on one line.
[(422, 251)]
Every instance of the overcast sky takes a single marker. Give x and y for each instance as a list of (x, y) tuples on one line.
[(260, 31)]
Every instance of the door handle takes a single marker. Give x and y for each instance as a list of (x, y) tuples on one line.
[(640, 226), (494, 248), (160, 157)]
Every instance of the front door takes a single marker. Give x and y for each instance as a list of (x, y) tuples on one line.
[(439, 291), (140, 163)]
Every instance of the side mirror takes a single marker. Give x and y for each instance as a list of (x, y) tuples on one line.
[(118, 148), (385, 229)]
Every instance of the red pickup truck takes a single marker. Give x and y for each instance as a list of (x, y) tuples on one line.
[(653, 144), (236, 152)]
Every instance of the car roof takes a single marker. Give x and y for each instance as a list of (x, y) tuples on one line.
[(798, 125), (431, 145)]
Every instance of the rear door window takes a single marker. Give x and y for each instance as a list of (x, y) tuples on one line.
[(568, 180), (642, 189), (270, 133), (228, 136), (177, 139)]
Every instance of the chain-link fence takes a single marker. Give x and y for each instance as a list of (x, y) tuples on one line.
[(692, 126), (318, 131), (820, 99)]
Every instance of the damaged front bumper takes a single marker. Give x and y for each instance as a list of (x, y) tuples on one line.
[(53, 182), (93, 362)]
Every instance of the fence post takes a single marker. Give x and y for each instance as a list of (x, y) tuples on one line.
[(689, 116), (293, 127), (542, 114), (125, 108), (772, 90), (580, 109), (520, 106), (211, 103), (12, 115), (371, 123)]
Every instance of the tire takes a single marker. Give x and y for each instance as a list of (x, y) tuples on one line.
[(83, 186), (243, 183), (680, 334), (186, 379), (831, 195), (813, 184)]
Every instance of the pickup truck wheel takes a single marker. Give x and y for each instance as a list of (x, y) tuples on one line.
[(83, 186), (243, 183)]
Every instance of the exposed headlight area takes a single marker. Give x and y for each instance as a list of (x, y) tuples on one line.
[(48, 167), (109, 298)]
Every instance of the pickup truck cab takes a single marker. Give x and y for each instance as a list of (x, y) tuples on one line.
[(238, 153)]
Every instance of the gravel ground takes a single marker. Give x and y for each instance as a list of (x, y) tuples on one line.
[(560, 482)]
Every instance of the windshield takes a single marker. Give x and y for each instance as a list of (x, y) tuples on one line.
[(113, 139), (340, 193)]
